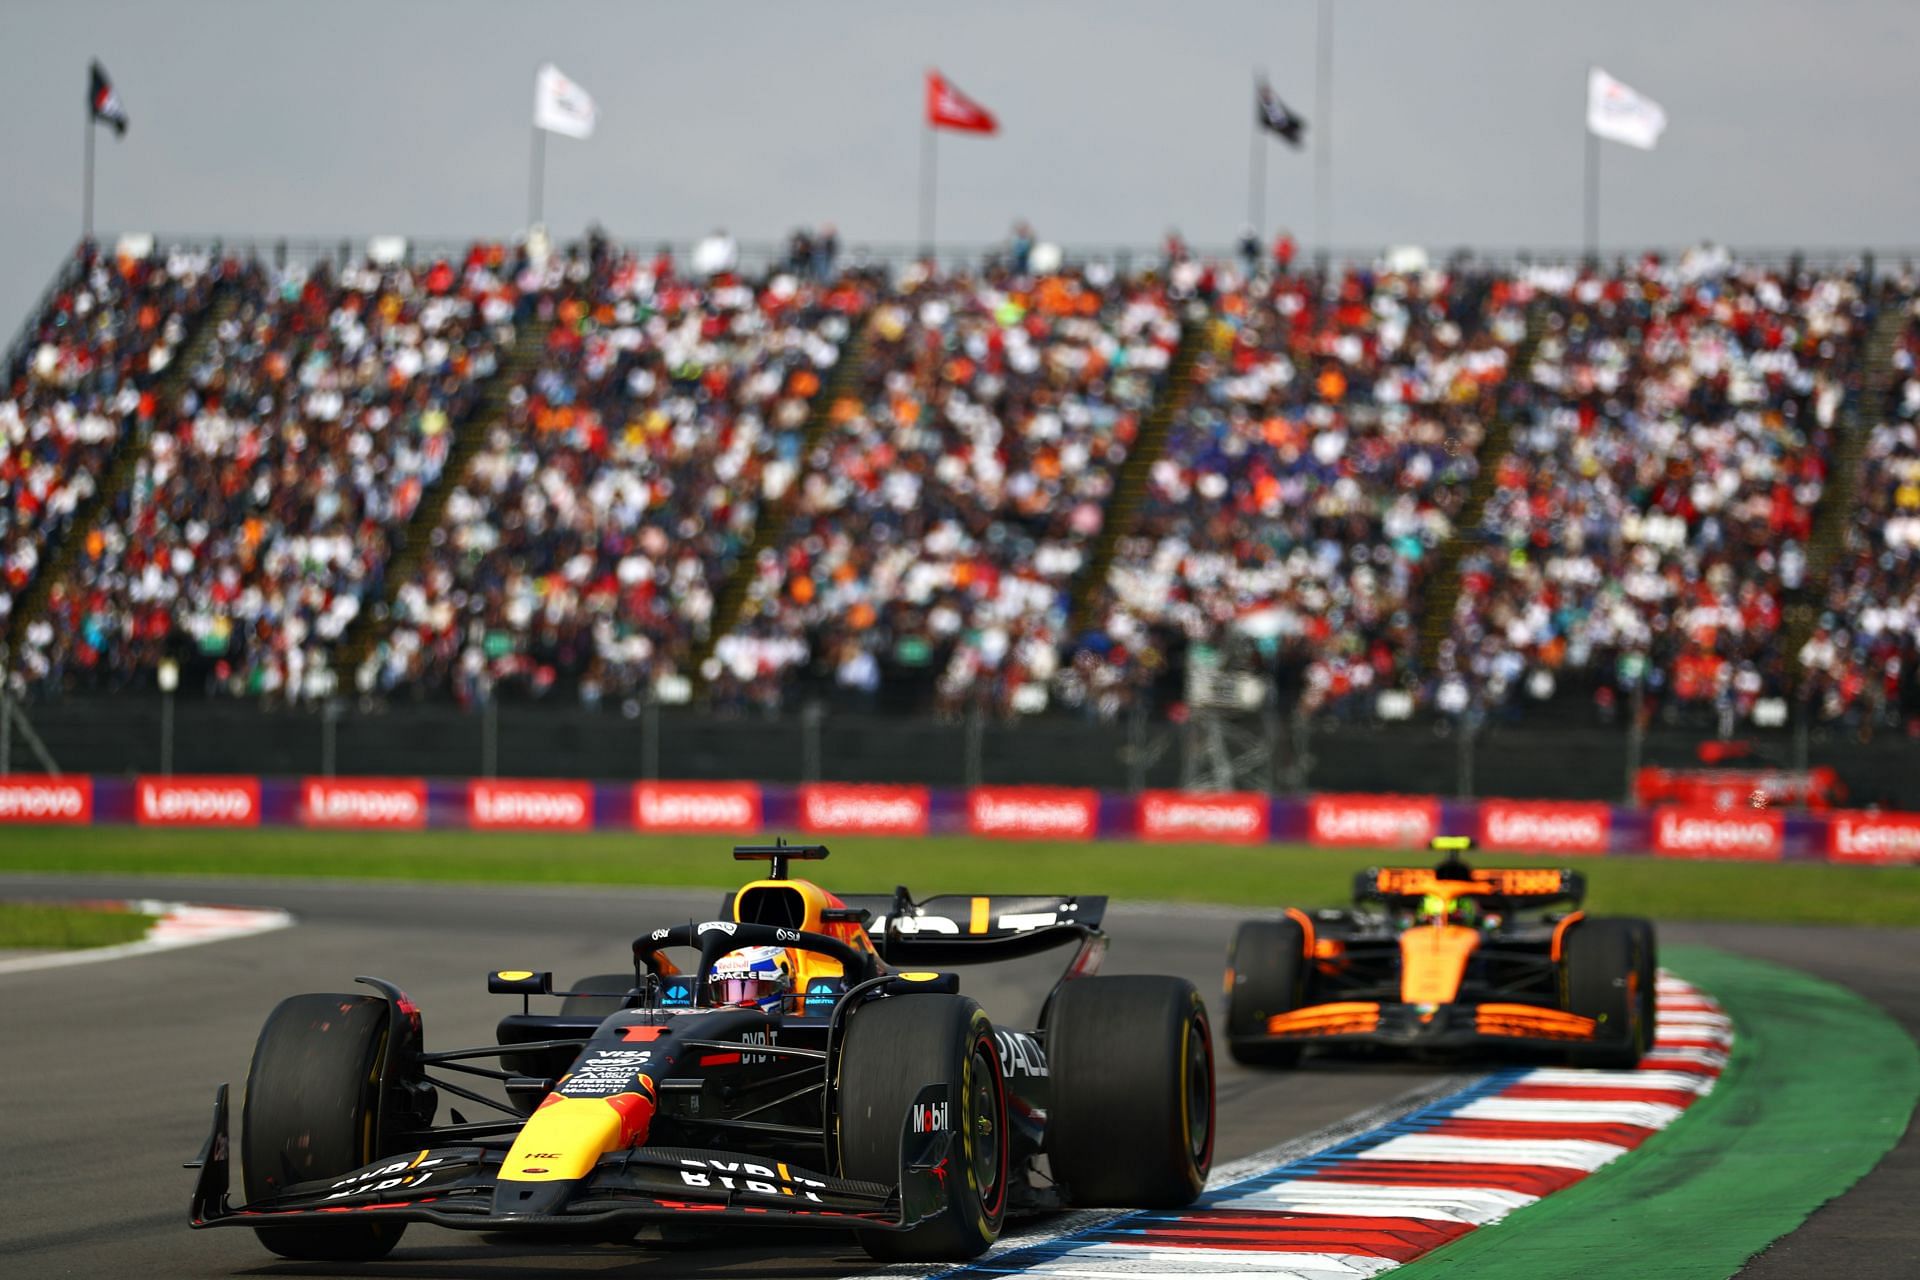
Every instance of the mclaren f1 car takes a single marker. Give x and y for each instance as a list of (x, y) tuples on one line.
[(1449, 958), (813, 1066)]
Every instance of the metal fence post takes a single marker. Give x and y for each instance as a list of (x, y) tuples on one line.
[(1469, 730), (976, 739), (166, 734), (812, 716), (650, 739), (329, 747), (6, 732), (1301, 764), (489, 737), (1636, 738), (1136, 752)]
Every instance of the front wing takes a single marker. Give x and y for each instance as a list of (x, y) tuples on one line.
[(459, 1187), (1489, 1025)]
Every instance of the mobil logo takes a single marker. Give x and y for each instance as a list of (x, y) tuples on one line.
[(46, 800), (1041, 813), (364, 802), (528, 805), (864, 810), (1373, 821), (196, 802), (1711, 833), (729, 807), (1234, 817), (1544, 826)]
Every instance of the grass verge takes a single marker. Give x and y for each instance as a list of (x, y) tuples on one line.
[(1801, 893), (53, 924)]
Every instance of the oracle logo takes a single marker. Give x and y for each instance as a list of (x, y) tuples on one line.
[(50, 800), (1874, 837), (873, 810), (197, 802), (678, 806), (1371, 820), (364, 802), (1545, 827), (1709, 834), (531, 806), (1033, 811), (1238, 818)]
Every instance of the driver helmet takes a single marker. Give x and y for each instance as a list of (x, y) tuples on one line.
[(1439, 907), (751, 975)]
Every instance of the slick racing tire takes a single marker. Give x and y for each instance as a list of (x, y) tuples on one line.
[(615, 985), (1266, 974), (1607, 973), (311, 1110), (1130, 1062), (894, 1048)]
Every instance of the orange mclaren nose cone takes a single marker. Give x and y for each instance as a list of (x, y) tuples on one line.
[(1433, 960)]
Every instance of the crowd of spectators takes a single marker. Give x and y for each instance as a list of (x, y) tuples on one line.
[(1861, 664), (1323, 458), (1644, 530), (1651, 516), (585, 545), (85, 381), (942, 519), (265, 499)]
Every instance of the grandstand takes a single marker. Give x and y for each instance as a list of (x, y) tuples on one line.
[(1684, 488)]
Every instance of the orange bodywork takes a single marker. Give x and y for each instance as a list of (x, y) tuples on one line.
[(1531, 1021), (1433, 960), (1340, 1018)]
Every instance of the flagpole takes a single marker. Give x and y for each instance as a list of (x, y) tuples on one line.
[(929, 161), (1257, 183), (1593, 197), (537, 179), (1323, 149), (1593, 177), (86, 198)]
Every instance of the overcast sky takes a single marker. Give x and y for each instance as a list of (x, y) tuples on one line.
[(1452, 123)]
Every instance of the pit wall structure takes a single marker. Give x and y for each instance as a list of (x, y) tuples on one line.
[(1008, 812)]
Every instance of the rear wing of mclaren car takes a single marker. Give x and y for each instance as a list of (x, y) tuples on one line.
[(975, 928), (1515, 887)]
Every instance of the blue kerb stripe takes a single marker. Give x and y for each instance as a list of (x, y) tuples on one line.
[(1414, 1122)]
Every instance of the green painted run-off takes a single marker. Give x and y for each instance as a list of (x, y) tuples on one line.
[(1819, 1088)]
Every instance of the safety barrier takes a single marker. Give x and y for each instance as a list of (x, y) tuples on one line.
[(1560, 828)]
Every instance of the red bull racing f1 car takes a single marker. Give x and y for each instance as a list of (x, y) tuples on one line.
[(801, 1061), (1448, 958)]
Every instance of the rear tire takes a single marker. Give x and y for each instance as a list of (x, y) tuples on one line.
[(311, 1111), (1266, 974), (1607, 974), (615, 985), (894, 1048), (1131, 1067)]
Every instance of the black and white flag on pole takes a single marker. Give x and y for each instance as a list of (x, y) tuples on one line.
[(1275, 116), (104, 100)]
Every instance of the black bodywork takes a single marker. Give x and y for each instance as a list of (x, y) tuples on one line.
[(744, 1099)]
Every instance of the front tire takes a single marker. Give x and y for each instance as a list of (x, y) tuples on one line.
[(1266, 974), (1607, 972), (1131, 1067), (895, 1047), (311, 1111)]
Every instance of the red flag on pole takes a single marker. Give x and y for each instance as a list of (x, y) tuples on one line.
[(948, 108)]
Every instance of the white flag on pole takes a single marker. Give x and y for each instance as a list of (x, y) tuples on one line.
[(1619, 114), (561, 106)]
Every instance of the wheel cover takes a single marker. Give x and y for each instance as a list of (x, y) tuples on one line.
[(986, 1135), (1197, 1075)]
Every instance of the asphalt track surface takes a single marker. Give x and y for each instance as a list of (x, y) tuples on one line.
[(107, 1071)]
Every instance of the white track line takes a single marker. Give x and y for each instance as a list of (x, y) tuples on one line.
[(180, 924)]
